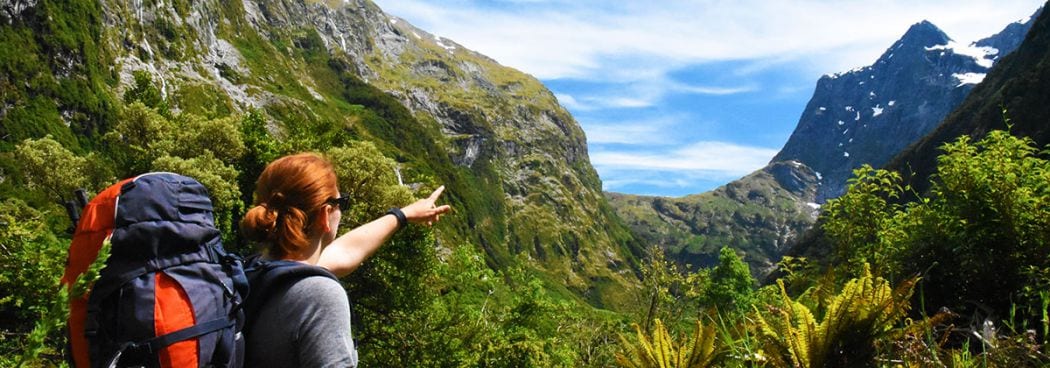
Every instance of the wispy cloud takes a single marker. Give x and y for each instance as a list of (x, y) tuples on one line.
[(673, 183), (647, 132), (710, 160), (570, 102), (574, 39), (641, 94), (693, 169), (716, 91)]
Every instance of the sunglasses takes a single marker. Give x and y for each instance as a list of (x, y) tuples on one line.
[(343, 201)]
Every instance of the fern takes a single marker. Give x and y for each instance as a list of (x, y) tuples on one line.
[(53, 320), (661, 351), (866, 309)]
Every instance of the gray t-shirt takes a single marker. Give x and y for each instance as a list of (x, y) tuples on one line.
[(305, 325)]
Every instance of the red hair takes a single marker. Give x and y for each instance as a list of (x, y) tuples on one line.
[(287, 192)]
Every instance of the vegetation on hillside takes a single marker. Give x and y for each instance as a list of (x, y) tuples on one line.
[(958, 278), (758, 215)]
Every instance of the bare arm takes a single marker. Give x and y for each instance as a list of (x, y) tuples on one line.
[(348, 251)]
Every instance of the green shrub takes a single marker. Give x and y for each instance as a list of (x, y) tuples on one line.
[(980, 237), (35, 259)]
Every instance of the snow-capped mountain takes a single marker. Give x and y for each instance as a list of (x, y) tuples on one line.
[(865, 115), (869, 114)]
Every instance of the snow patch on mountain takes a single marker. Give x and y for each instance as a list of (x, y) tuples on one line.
[(969, 78), (983, 55)]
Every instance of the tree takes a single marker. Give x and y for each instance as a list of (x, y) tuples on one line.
[(197, 135), (731, 287), (369, 178), (856, 221), (51, 168), (667, 291), (145, 92)]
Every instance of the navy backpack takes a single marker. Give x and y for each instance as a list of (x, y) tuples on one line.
[(169, 295)]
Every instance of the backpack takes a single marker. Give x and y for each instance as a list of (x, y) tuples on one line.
[(169, 295), (268, 276)]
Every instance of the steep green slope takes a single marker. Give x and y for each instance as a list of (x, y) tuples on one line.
[(758, 214), (515, 162)]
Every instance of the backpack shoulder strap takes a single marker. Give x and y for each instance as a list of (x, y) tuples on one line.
[(267, 276)]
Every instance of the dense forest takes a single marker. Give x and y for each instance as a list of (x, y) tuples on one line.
[(954, 272)]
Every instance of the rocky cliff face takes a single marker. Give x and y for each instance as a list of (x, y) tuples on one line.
[(868, 115), (515, 161)]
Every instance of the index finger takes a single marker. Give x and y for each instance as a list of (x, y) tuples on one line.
[(443, 209), (437, 193)]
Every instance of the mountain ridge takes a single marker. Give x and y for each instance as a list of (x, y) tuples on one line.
[(905, 93), (868, 114)]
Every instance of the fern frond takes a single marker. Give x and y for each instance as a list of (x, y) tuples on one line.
[(702, 351), (645, 350), (631, 359), (865, 309), (662, 346), (637, 355)]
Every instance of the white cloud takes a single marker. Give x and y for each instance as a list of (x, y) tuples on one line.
[(613, 184), (627, 102), (652, 132), (695, 168), (570, 102), (641, 94), (636, 40), (709, 160), (716, 91)]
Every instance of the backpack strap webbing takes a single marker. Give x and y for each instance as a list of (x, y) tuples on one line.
[(160, 342), (267, 276)]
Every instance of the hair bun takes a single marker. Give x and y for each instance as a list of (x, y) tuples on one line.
[(259, 223)]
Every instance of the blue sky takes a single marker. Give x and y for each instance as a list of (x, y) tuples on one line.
[(679, 97)]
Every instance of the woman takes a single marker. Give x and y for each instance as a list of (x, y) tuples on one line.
[(296, 216)]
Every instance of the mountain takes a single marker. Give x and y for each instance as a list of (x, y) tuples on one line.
[(865, 115), (869, 114), (514, 161), (758, 215), (1019, 85), (1015, 89)]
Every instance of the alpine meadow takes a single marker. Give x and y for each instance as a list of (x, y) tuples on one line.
[(905, 222)]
